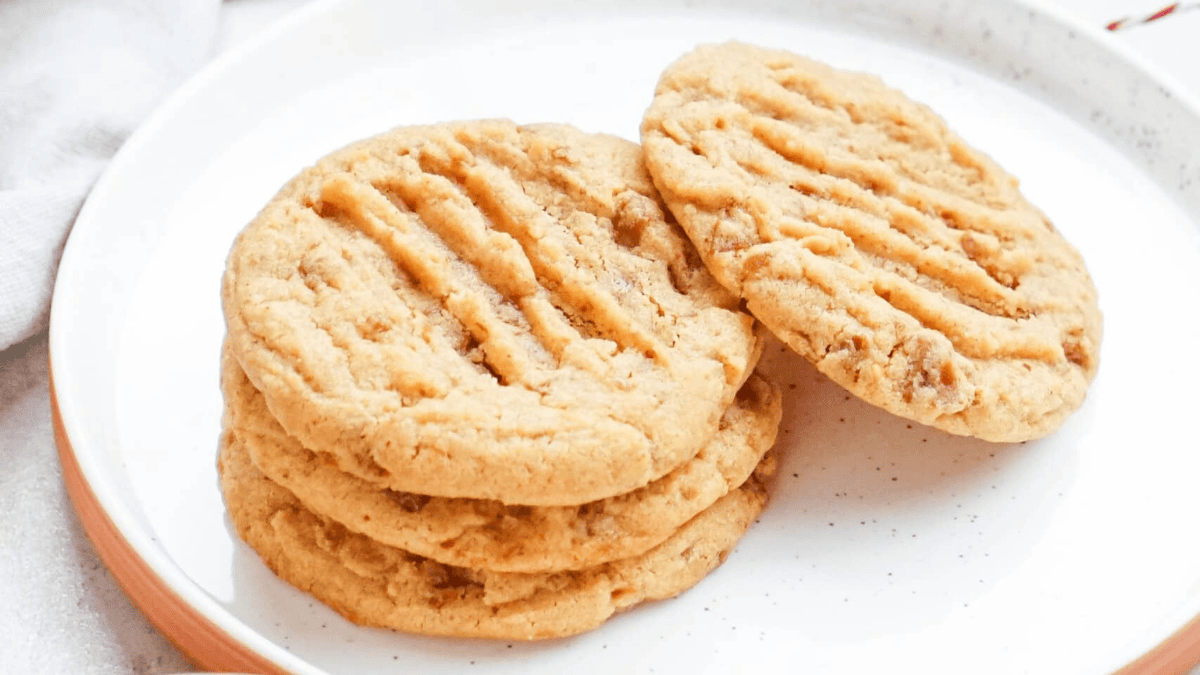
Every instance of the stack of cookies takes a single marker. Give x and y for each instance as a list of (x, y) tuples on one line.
[(479, 383), (493, 380)]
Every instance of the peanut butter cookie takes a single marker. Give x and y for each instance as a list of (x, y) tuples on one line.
[(873, 240), (485, 310)]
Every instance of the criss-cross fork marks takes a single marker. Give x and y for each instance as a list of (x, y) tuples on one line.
[(933, 229), (527, 280)]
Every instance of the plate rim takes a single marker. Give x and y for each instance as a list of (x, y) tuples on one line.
[(175, 603), (202, 641)]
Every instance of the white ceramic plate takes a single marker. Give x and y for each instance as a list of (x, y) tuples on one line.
[(887, 547)]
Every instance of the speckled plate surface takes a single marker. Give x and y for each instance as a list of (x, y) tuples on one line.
[(888, 546)]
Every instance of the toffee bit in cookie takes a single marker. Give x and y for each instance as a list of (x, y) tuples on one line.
[(441, 576), (1076, 353), (407, 501), (445, 584)]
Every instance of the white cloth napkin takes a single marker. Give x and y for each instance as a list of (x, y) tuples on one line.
[(76, 78)]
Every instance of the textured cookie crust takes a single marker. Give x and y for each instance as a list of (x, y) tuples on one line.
[(484, 310), (377, 585), (488, 534), (874, 241)]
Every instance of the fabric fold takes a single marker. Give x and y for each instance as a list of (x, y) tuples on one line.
[(76, 78)]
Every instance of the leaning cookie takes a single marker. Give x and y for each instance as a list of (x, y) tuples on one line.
[(487, 534), (378, 585), (906, 265), (485, 310)]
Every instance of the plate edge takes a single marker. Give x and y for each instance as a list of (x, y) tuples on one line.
[(202, 642)]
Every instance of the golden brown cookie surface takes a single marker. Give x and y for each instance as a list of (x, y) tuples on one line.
[(874, 241), (484, 310), (490, 535), (378, 585)]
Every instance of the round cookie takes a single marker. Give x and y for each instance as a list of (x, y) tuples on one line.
[(868, 236), (490, 535), (378, 585), (485, 310)]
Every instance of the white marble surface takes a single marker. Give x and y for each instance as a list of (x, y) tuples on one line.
[(60, 609)]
